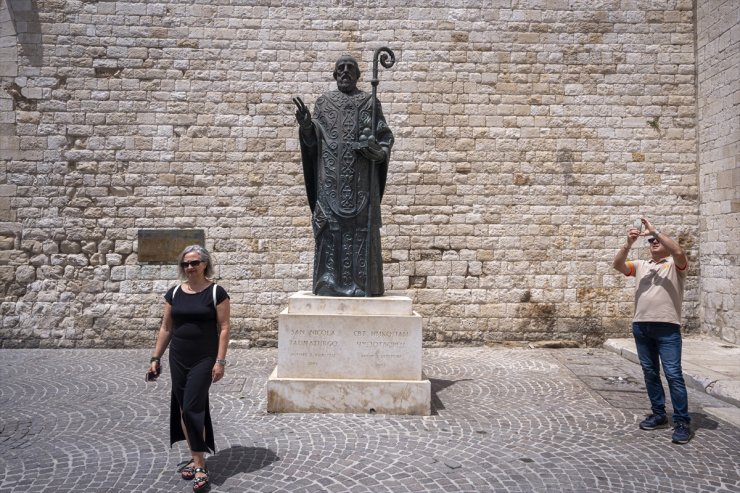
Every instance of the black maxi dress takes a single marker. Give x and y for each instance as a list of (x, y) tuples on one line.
[(193, 352)]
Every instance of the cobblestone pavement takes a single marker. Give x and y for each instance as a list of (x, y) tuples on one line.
[(506, 420)]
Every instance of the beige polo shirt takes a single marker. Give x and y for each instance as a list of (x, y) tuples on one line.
[(659, 290)]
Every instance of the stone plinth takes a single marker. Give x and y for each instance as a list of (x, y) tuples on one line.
[(349, 355)]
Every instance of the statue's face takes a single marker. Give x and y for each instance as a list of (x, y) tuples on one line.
[(346, 72)]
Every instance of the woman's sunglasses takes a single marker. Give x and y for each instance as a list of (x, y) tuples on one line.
[(192, 263)]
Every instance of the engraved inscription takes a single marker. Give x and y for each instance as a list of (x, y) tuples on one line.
[(364, 347), (310, 344), (381, 345)]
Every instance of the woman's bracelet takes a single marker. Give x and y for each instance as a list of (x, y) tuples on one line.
[(154, 359)]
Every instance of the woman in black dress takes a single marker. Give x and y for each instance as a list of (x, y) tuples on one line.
[(195, 325)]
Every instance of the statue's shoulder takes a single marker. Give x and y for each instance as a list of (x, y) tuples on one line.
[(327, 98), (362, 96)]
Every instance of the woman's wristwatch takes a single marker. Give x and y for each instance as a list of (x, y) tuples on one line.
[(221, 362)]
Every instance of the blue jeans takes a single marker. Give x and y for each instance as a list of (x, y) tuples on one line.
[(657, 343)]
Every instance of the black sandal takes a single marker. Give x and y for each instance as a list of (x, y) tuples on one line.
[(201, 483), (187, 471)]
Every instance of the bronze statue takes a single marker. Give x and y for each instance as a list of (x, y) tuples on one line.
[(345, 148)]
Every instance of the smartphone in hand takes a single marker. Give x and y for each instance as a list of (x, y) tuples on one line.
[(638, 224), (151, 376)]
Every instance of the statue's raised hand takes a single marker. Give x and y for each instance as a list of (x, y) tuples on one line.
[(302, 115)]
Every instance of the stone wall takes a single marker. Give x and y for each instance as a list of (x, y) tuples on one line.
[(9, 142), (529, 135), (718, 48)]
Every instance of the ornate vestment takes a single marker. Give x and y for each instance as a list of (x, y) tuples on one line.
[(344, 197)]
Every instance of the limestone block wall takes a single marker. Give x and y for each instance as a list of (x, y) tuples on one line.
[(718, 48), (529, 135), (9, 142)]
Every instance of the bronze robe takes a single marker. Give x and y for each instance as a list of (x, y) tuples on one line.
[(342, 194)]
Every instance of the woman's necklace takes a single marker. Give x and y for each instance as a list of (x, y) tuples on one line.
[(193, 289)]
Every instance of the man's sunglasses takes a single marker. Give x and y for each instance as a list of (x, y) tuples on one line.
[(192, 263), (652, 240)]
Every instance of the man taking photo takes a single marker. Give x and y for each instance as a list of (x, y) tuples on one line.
[(656, 325)]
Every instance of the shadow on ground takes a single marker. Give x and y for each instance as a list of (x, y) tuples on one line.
[(238, 460), (702, 421), (439, 385)]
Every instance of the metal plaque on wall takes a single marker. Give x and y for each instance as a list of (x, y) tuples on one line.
[(164, 245)]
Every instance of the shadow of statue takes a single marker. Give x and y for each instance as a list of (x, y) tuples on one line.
[(439, 385), (237, 460)]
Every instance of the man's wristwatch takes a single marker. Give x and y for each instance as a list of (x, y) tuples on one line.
[(656, 234), (221, 362)]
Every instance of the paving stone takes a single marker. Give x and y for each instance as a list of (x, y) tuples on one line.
[(509, 420)]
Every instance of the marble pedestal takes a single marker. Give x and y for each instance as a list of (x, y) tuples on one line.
[(349, 355)]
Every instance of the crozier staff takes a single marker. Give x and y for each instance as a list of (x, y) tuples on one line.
[(195, 325)]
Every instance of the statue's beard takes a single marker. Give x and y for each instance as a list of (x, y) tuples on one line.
[(345, 84)]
